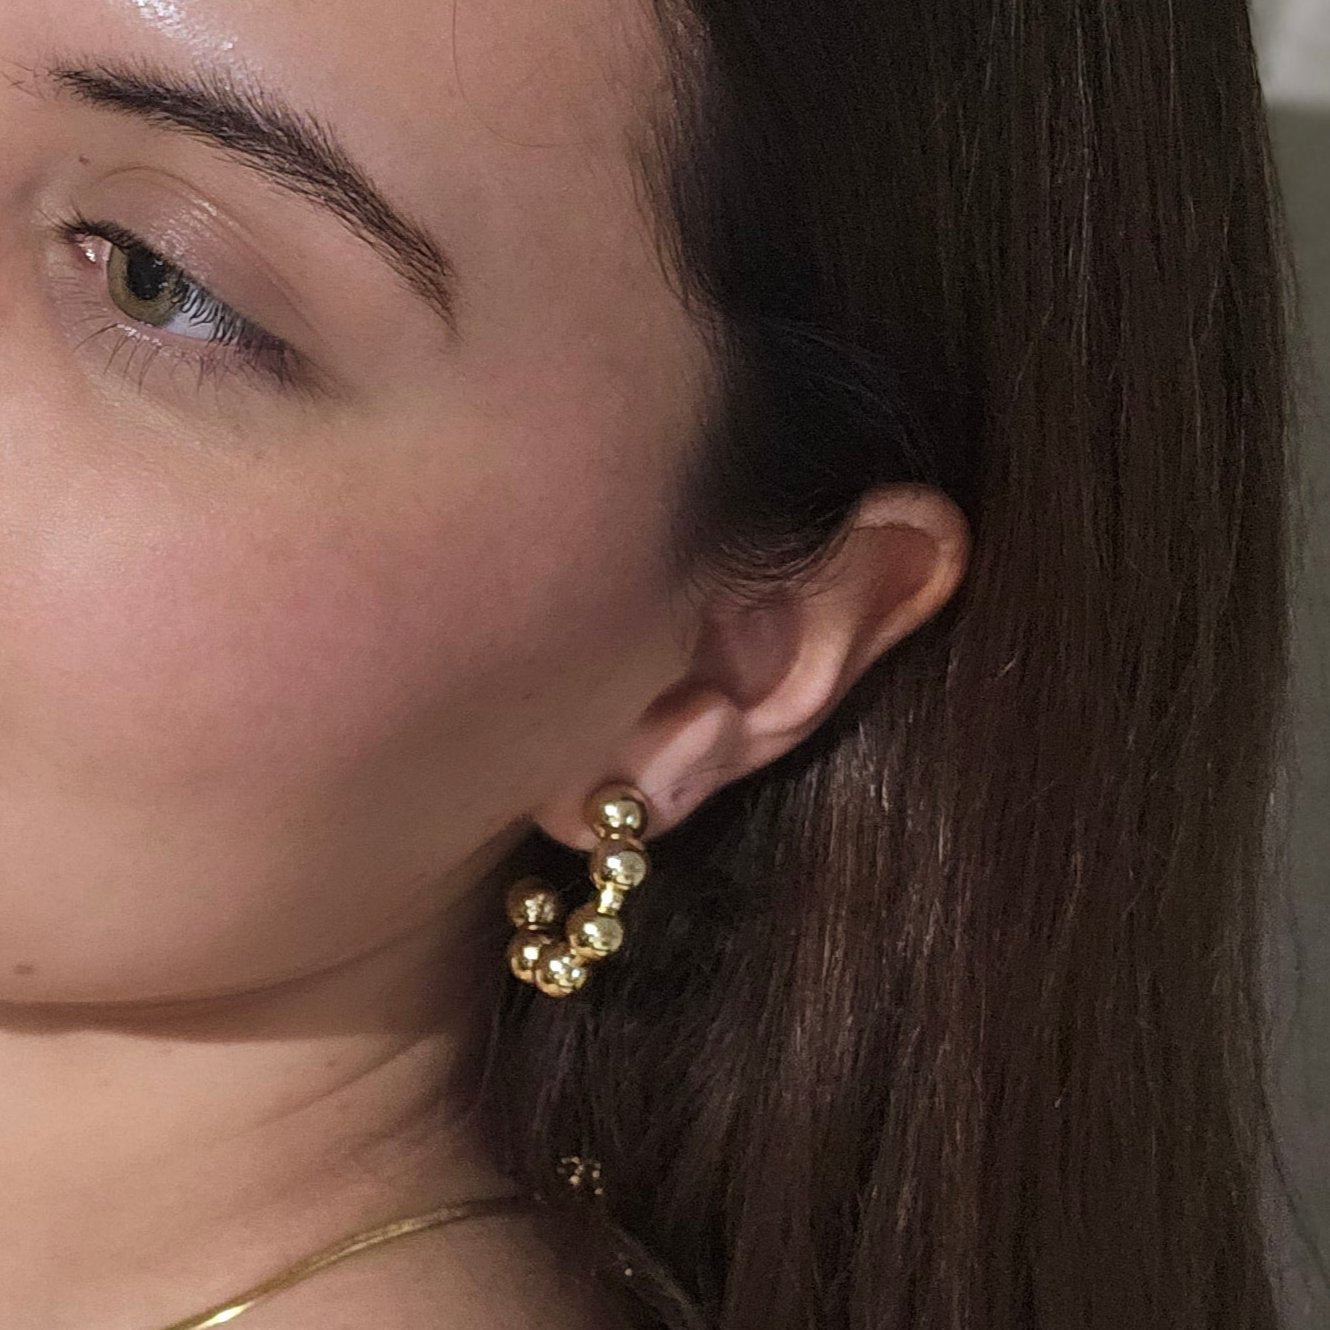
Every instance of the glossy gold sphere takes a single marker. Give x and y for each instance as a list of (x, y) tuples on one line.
[(524, 951), (619, 861), (531, 903), (558, 972), (617, 806), (592, 935)]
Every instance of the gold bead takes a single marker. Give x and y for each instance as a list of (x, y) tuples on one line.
[(531, 903), (524, 951), (617, 806), (557, 971), (609, 899), (619, 861), (592, 935)]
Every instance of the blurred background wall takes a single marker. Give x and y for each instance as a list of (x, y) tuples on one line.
[(1293, 41)]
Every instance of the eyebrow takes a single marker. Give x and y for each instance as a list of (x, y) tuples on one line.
[(293, 149)]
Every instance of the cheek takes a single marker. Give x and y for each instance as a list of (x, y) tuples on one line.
[(225, 709), (286, 642), (207, 649)]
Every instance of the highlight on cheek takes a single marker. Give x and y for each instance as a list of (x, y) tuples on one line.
[(154, 308)]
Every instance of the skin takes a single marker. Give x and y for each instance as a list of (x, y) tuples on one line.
[(286, 678)]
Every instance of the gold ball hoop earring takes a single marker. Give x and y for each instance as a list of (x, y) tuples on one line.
[(560, 965)]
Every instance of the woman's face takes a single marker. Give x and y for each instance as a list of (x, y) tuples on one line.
[(324, 564)]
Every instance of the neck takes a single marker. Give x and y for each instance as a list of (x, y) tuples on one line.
[(157, 1160)]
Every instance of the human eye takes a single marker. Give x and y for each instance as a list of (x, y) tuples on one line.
[(157, 308)]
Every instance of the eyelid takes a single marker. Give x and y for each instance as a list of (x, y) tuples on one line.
[(80, 293), (190, 230), (115, 235), (242, 338)]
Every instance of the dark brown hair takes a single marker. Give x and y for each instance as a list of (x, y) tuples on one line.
[(953, 1016)]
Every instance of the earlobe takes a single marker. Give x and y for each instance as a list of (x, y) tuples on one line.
[(689, 743), (764, 678), (696, 745)]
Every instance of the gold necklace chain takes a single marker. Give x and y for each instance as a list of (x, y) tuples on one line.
[(227, 1311)]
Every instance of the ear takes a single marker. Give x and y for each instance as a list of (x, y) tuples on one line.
[(761, 679)]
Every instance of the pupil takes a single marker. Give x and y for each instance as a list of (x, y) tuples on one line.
[(146, 276)]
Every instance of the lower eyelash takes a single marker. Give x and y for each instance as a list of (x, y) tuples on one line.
[(254, 352), (145, 349)]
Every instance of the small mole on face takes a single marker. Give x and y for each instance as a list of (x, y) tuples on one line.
[(24, 968), (83, 161)]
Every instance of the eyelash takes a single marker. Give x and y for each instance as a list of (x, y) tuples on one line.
[(250, 349)]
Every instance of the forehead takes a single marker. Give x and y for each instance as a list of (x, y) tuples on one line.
[(523, 69)]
